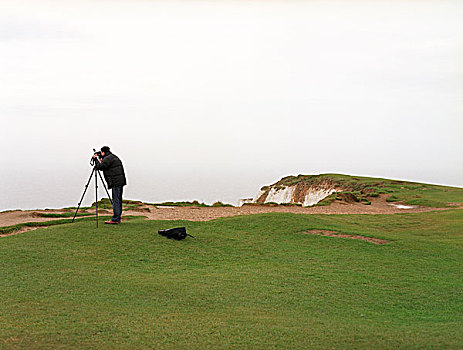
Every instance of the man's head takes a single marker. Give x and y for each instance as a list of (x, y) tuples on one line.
[(104, 150)]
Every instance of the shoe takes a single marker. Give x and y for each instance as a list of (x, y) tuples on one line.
[(112, 222)]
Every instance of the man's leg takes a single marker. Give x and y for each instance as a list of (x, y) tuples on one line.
[(117, 203)]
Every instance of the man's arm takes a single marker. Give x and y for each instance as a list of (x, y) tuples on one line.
[(101, 164)]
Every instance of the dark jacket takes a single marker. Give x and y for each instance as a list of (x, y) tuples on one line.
[(113, 170)]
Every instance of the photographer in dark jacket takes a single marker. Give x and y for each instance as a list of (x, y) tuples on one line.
[(114, 175)]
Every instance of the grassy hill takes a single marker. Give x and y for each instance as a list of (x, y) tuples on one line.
[(244, 282), (365, 188)]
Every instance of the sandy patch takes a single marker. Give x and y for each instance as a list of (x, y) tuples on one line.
[(378, 206)]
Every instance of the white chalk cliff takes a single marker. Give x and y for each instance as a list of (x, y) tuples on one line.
[(299, 193)]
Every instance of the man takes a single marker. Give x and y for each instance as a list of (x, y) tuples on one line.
[(114, 175)]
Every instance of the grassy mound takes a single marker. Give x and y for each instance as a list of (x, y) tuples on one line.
[(365, 188), (244, 282), (192, 204)]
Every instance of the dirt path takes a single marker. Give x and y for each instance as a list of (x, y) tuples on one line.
[(151, 212), (205, 214)]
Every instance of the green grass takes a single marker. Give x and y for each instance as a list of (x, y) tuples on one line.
[(192, 204), (247, 282), (392, 198), (220, 204), (327, 201)]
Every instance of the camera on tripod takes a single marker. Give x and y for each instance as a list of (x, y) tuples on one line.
[(93, 160)]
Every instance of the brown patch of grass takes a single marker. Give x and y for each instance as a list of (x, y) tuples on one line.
[(22, 230), (345, 235)]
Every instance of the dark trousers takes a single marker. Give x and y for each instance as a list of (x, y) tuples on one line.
[(117, 203)]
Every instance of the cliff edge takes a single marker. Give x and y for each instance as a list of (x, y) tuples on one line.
[(323, 189)]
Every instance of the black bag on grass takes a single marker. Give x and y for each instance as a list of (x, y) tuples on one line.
[(177, 233)]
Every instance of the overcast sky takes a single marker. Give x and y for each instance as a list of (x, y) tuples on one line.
[(211, 100)]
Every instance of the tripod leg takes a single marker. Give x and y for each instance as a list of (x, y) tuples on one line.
[(85, 190), (96, 198), (105, 187)]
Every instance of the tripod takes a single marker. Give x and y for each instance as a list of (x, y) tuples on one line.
[(96, 171)]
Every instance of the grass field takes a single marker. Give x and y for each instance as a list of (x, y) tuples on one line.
[(243, 282)]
